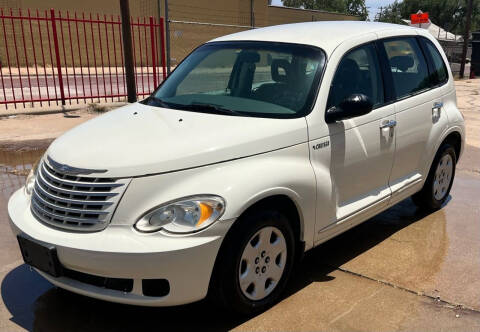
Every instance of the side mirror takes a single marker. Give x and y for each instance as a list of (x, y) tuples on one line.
[(354, 105)]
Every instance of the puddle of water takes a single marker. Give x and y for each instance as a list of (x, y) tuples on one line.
[(14, 168), (403, 245)]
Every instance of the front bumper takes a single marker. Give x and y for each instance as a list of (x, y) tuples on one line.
[(121, 252)]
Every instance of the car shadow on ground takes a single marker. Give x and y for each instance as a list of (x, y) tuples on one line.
[(36, 305)]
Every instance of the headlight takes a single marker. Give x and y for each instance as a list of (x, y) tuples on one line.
[(30, 182), (186, 215)]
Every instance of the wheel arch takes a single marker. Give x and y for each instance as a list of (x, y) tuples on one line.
[(283, 203), (454, 136), (455, 139), (278, 200), (284, 200)]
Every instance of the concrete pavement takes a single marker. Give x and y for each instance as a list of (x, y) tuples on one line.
[(97, 83), (402, 270)]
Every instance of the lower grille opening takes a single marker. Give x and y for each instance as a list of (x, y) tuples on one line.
[(155, 287), (119, 284)]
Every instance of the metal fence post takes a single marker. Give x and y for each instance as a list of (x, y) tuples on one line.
[(252, 14), (167, 35), (162, 47), (466, 37), (57, 55), (128, 52), (152, 44)]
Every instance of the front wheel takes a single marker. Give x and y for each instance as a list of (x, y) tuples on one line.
[(439, 181), (254, 266)]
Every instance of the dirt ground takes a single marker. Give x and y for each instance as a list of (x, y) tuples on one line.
[(27, 132), (402, 270)]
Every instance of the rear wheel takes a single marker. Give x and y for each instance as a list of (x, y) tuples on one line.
[(254, 266), (439, 181)]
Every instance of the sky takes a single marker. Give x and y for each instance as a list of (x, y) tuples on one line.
[(373, 5)]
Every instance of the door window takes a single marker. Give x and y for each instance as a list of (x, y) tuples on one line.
[(440, 74), (358, 72), (408, 66)]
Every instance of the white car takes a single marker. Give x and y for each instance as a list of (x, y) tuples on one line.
[(258, 147)]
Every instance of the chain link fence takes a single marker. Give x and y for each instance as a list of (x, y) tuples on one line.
[(194, 23), (185, 36), (453, 50)]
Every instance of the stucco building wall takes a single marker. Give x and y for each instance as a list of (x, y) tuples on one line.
[(184, 37)]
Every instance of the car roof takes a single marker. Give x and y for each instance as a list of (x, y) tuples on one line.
[(324, 34)]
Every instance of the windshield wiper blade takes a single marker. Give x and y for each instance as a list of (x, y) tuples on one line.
[(210, 108), (198, 107), (155, 101)]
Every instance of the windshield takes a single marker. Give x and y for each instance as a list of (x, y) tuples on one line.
[(263, 79)]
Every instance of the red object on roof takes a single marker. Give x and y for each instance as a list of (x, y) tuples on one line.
[(419, 18)]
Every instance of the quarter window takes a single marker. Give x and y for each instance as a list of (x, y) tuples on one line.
[(440, 74), (408, 66), (358, 72)]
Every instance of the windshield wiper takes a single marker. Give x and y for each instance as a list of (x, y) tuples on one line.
[(210, 108), (196, 107), (154, 101)]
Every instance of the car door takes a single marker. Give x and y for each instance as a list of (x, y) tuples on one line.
[(359, 151), (418, 110)]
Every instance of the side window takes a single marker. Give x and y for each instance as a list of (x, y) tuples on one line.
[(408, 65), (440, 74), (358, 72)]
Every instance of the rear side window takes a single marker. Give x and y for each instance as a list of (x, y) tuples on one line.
[(408, 66), (358, 72), (440, 74)]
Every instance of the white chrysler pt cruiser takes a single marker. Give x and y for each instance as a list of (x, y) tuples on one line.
[(258, 147)]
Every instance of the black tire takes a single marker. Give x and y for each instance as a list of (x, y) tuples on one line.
[(425, 198), (225, 288)]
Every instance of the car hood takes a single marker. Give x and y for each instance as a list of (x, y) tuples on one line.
[(137, 140)]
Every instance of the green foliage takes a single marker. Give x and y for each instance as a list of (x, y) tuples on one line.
[(448, 14), (391, 13), (352, 7)]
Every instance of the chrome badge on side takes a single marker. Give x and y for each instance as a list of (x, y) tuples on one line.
[(321, 145)]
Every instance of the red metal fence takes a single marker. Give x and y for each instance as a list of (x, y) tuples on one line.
[(47, 57)]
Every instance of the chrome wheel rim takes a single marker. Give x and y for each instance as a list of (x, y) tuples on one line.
[(262, 263), (443, 176)]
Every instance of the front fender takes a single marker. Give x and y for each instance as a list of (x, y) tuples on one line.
[(240, 182)]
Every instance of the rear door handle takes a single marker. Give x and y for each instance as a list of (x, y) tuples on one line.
[(388, 124), (436, 110)]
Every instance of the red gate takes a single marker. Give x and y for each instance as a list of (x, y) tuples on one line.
[(49, 58)]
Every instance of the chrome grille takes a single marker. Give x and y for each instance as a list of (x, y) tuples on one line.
[(74, 202)]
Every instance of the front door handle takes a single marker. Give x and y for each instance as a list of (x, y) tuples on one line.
[(388, 124)]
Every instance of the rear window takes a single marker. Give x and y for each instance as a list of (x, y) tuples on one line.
[(408, 65)]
